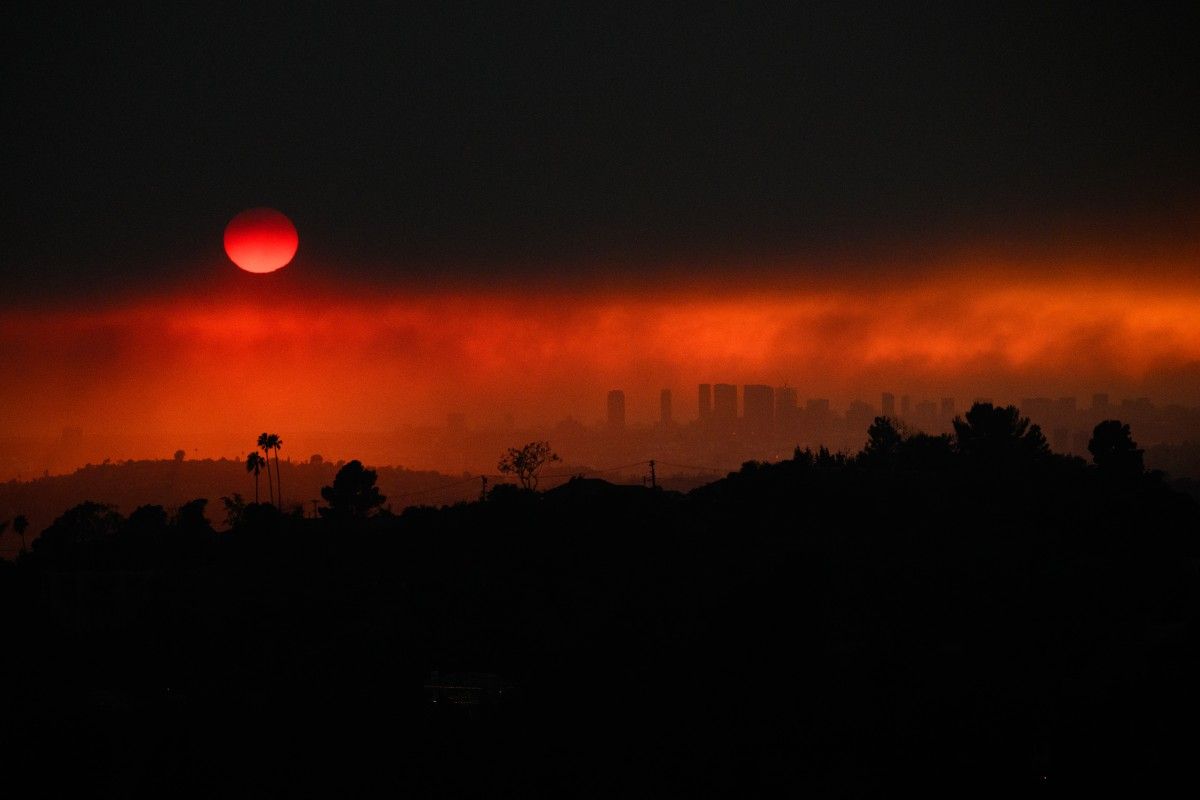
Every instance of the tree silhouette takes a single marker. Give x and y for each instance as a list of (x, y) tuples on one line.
[(20, 525), (264, 443), (527, 461), (274, 443), (78, 530), (1114, 450), (994, 433), (884, 438), (190, 517), (179, 456), (353, 494), (255, 463), (235, 508)]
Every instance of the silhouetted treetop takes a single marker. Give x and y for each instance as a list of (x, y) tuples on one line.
[(1114, 450), (353, 494), (884, 438), (998, 434), (78, 528)]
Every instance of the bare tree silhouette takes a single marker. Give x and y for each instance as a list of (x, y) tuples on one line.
[(255, 463), (527, 461)]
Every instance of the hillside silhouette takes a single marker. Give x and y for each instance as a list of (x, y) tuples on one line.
[(170, 483), (955, 612)]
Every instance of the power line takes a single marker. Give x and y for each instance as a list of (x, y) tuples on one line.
[(553, 476), (692, 466)]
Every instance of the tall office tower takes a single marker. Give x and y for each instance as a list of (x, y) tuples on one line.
[(889, 404), (758, 408), (947, 407), (664, 407), (705, 401), (1037, 409), (785, 409), (1100, 403), (616, 409), (905, 405), (724, 409), (1066, 406)]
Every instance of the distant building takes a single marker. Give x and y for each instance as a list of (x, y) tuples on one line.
[(947, 407), (705, 402), (758, 408), (1037, 408), (818, 420), (1066, 406), (1100, 403), (889, 404), (616, 409), (1060, 439), (724, 409), (1140, 405), (905, 405), (859, 416), (786, 406), (664, 407)]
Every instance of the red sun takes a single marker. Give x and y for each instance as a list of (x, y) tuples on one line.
[(261, 240)]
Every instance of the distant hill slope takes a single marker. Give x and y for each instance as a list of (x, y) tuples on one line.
[(130, 484)]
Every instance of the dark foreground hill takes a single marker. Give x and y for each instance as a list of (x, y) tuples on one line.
[(966, 620)]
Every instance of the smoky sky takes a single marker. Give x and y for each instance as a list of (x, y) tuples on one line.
[(410, 143)]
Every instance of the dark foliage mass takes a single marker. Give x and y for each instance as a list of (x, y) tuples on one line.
[(969, 613)]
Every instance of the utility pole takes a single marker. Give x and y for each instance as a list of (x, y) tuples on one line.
[(653, 476)]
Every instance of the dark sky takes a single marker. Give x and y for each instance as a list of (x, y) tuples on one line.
[(415, 143)]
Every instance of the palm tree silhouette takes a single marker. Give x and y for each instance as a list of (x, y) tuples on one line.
[(19, 525), (264, 441), (255, 463), (274, 443)]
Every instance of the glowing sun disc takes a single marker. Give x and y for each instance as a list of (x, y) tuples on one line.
[(261, 240)]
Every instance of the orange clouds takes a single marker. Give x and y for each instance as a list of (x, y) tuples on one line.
[(349, 362)]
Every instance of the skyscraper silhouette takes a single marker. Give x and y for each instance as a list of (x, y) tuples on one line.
[(725, 405), (758, 409), (705, 402), (889, 405)]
